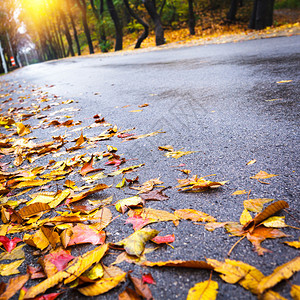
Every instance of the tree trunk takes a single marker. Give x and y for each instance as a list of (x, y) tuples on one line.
[(74, 27), (141, 21), (232, 11), (192, 21), (159, 31), (67, 31), (99, 16), (118, 26), (262, 14), (82, 6)]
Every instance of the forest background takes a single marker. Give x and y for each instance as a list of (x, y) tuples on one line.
[(32, 31)]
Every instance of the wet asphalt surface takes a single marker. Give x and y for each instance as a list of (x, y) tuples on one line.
[(212, 99)]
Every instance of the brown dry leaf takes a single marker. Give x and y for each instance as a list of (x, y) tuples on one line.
[(101, 286), (10, 269), (129, 294), (14, 285), (75, 269), (97, 188), (156, 195), (33, 209), (166, 148), (259, 234), (266, 213), (284, 271), (194, 264), (141, 288), (295, 292), (194, 215), (206, 290), (256, 205), (143, 105)]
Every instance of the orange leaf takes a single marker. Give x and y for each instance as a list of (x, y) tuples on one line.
[(88, 167), (194, 264), (33, 209), (14, 285)]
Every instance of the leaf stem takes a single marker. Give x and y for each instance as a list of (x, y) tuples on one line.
[(228, 254)]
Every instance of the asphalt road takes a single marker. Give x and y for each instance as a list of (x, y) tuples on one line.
[(212, 99)]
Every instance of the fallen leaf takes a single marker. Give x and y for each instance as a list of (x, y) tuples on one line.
[(295, 292), (136, 110), (22, 129), (101, 286), (147, 278), (129, 294), (123, 204), (240, 192), (284, 81), (136, 137), (256, 205), (10, 269), (38, 240), (88, 167), (251, 162), (194, 264), (275, 222), (166, 148), (295, 244), (74, 269), (143, 105), (135, 243), (259, 234), (245, 217), (14, 285), (194, 215), (203, 290), (284, 271), (82, 234), (141, 288), (262, 175), (155, 215), (267, 212), (121, 183), (195, 184), (211, 226), (229, 273), (170, 238), (8, 244), (148, 185), (94, 273), (33, 209), (16, 253), (178, 154), (155, 195), (139, 222), (97, 188), (125, 170)]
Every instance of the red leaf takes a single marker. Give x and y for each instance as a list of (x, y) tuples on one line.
[(170, 238), (86, 234), (147, 278), (88, 167), (138, 222), (8, 244), (51, 296), (35, 272), (60, 259)]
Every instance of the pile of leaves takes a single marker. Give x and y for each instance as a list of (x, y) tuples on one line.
[(46, 212)]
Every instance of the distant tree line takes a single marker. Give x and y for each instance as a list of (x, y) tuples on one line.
[(61, 28)]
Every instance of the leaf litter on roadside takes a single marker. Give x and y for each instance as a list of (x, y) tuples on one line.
[(54, 221)]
